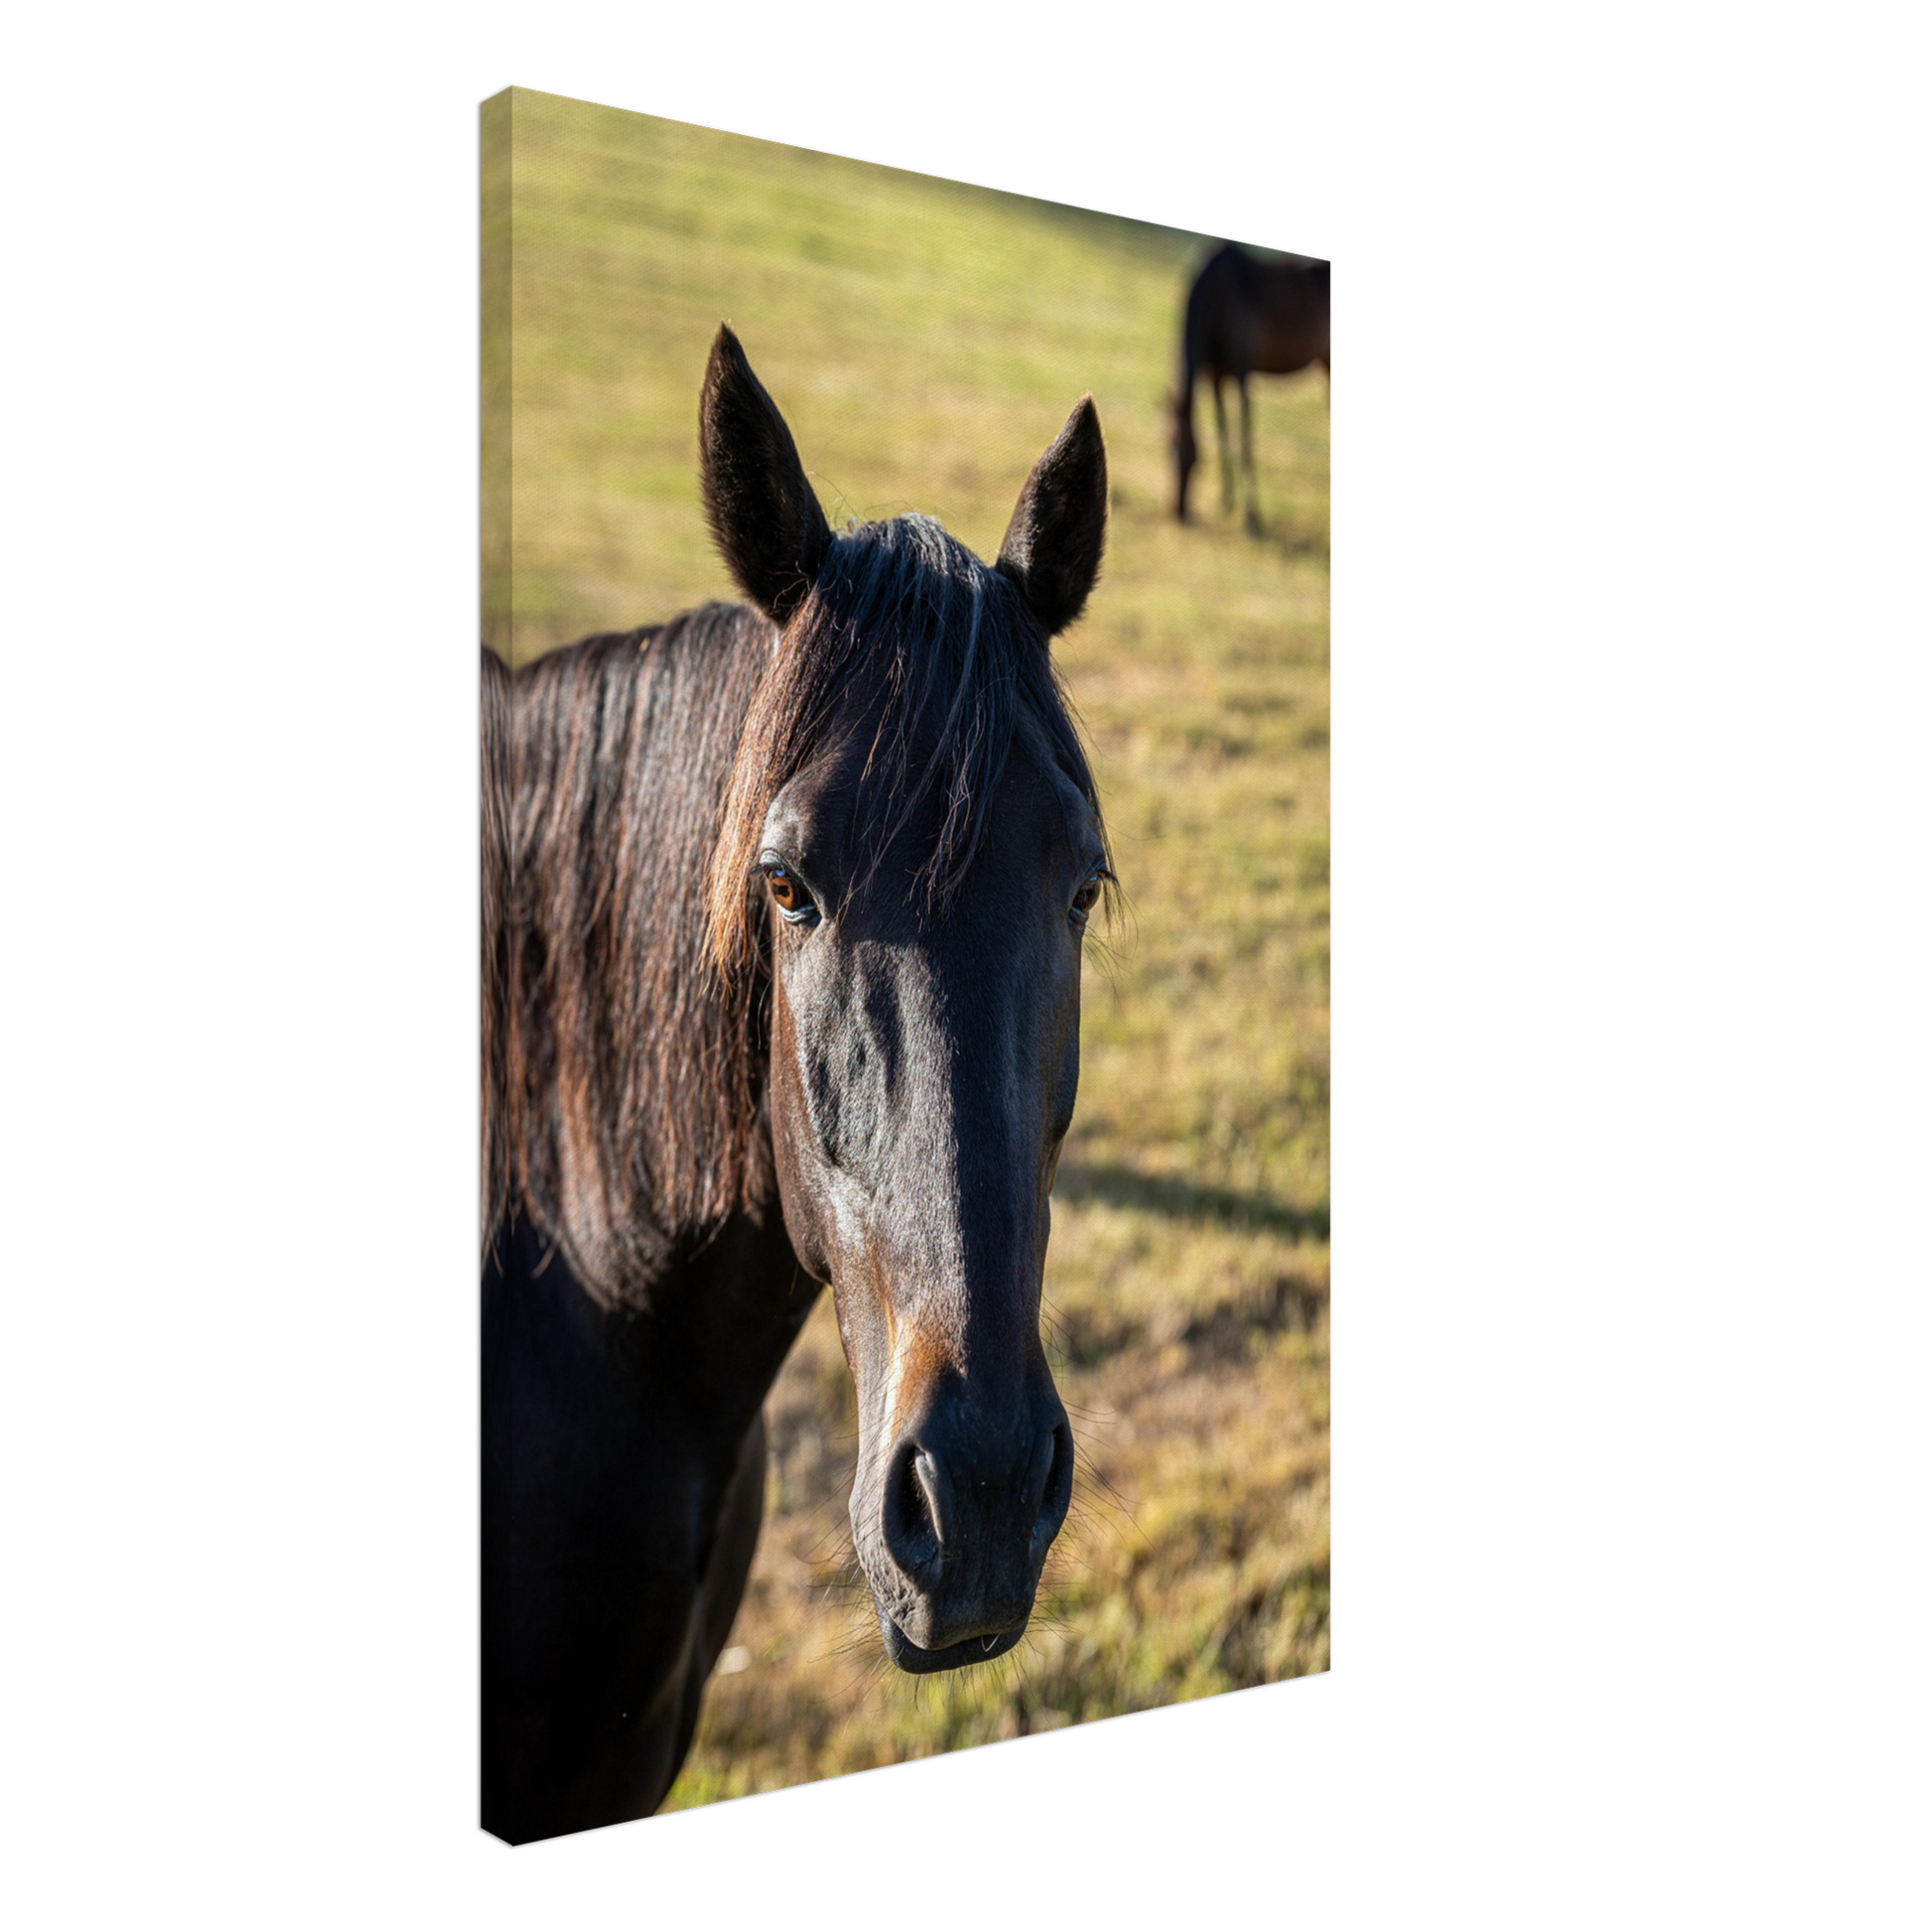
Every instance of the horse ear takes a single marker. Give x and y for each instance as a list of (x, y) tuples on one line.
[(763, 514), (1052, 546)]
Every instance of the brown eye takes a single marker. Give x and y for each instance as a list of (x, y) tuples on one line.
[(788, 894)]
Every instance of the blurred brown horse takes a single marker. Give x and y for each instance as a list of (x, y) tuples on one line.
[(1245, 316)]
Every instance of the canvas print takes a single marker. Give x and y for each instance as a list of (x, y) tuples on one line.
[(905, 815)]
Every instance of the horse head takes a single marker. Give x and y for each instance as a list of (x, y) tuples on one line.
[(908, 856)]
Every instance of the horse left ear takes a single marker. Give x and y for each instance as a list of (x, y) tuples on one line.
[(760, 506), (1051, 549)]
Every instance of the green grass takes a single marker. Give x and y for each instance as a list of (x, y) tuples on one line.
[(925, 341)]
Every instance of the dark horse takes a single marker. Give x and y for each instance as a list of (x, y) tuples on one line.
[(1244, 317), (783, 924)]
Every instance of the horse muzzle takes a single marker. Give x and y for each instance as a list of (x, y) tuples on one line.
[(959, 1527)]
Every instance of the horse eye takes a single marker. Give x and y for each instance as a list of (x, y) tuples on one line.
[(788, 895), (1085, 897)]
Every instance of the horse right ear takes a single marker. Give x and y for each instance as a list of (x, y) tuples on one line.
[(1051, 549), (764, 513)]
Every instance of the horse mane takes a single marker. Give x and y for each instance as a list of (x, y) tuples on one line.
[(630, 1072), (497, 1014), (905, 610)]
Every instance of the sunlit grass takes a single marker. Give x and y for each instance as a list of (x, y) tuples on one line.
[(925, 341)]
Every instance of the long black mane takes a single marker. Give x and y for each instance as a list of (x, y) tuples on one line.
[(495, 790), (623, 1080)]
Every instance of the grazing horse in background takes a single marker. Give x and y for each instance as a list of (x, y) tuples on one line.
[(782, 922), (1244, 317)]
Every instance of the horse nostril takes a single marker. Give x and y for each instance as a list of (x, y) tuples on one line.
[(1037, 1471), (1050, 1482), (914, 1516)]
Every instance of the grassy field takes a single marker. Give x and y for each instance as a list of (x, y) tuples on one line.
[(925, 341)]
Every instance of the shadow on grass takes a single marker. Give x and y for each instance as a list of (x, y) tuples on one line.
[(1292, 539), (1280, 531), (1119, 1186)]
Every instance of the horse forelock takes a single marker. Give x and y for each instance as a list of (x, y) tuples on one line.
[(935, 658)]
